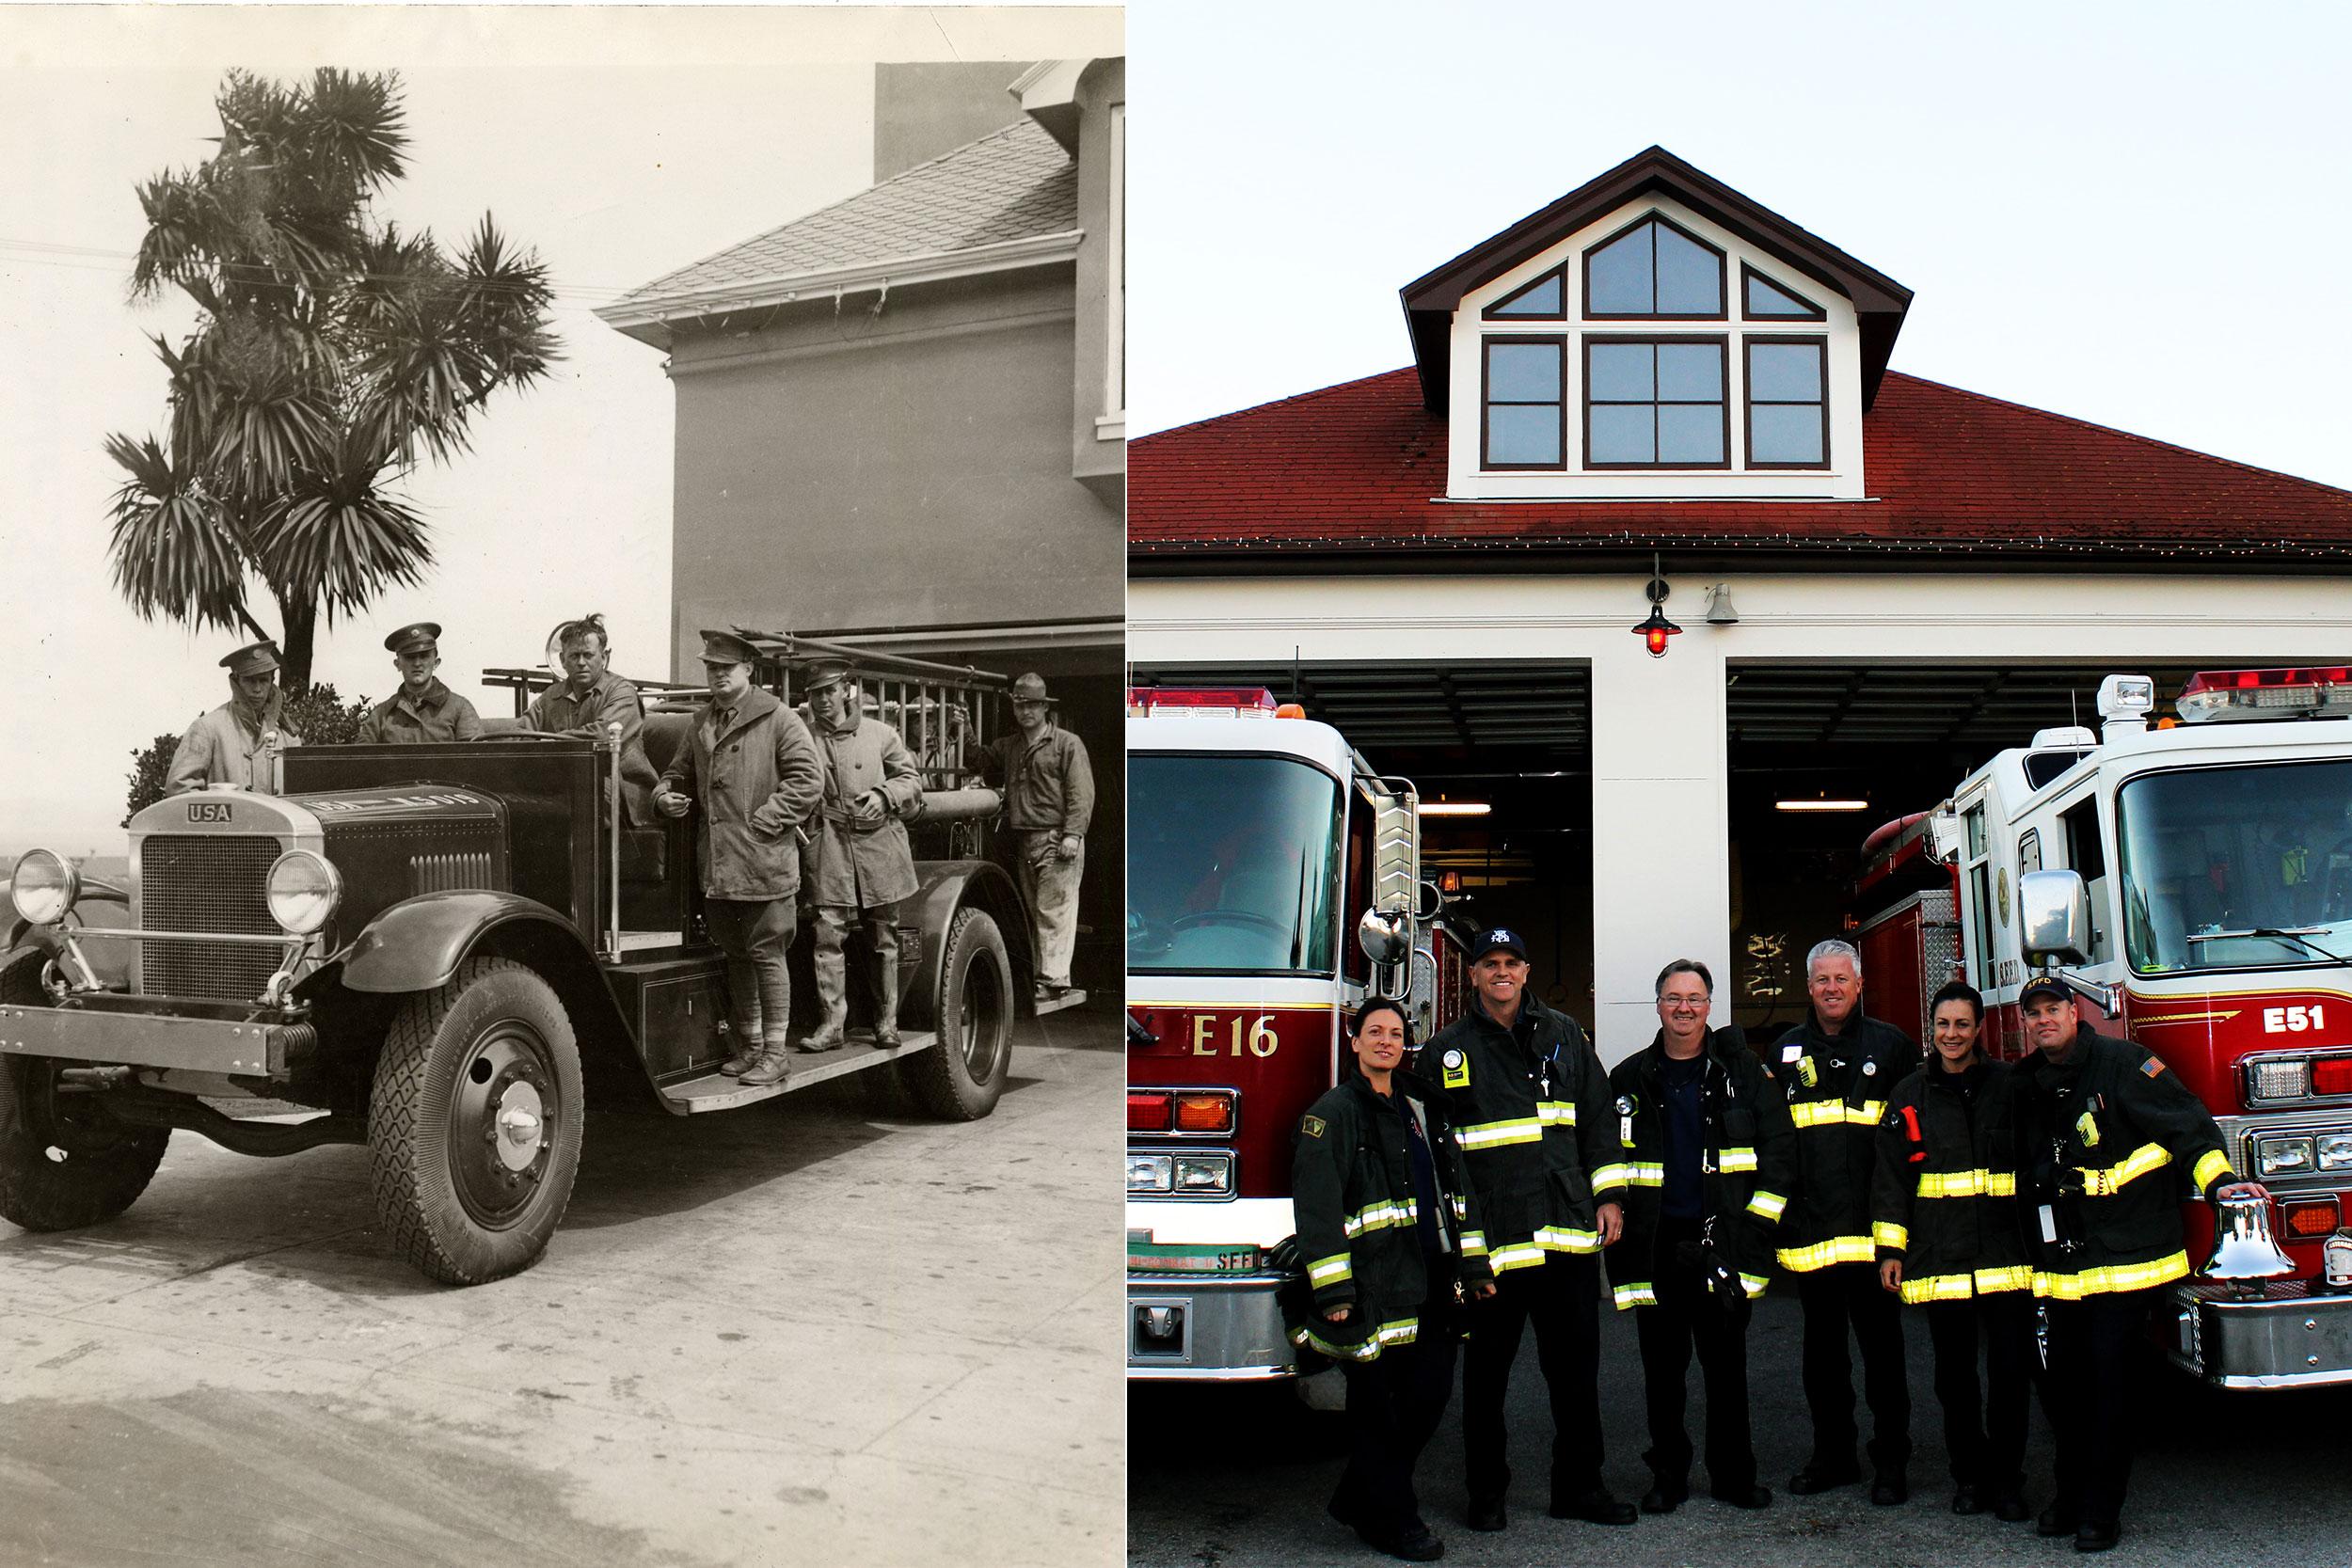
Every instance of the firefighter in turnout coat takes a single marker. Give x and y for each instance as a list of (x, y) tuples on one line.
[(1389, 1228), (857, 865), (1529, 1104), (1837, 1068), (1944, 1216), (2110, 1142), (750, 768), (1709, 1156)]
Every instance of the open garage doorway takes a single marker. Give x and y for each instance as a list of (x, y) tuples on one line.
[(1821, 755), (1513, 738)]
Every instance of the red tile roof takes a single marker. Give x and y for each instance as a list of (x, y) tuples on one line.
[(1361, 467)]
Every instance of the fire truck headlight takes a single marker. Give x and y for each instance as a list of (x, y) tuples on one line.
[(43, 886), (2282, 1156), (2335, 1150), (1148, 1173), (303, 890), (1204, 1173)]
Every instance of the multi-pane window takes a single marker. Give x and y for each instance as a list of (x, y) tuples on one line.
[(1526, 402), (1762, 297), (1654, 270), (1546, 299), (1655, 402), (1787, 403)]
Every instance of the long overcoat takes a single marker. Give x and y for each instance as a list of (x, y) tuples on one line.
[(858, 858), (755, 781), (223, 747)]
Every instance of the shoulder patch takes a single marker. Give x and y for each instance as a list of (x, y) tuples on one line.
[(1456, 1066), (2152, 1067), (1311, 1126)]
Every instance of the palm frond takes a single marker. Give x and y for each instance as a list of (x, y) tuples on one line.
[(171, 555)]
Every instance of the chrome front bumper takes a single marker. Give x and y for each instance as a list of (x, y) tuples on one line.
[(127, 1031), (1214, 1328), (2285, 1337)]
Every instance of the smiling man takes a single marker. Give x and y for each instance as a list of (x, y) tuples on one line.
[(1530, 1106), (589, 699)]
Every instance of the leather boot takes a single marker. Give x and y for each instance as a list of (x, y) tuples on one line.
[(832, 997), (774, 1067), (886, 1002), (748, 1049)]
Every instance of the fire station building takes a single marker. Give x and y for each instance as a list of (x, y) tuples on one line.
[(1654, 387)]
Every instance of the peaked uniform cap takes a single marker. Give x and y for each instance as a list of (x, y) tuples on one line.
[(724, 647), (251, 659), (825, 673), (425, 633)]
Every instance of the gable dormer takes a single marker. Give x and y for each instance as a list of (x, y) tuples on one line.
[(1653, 334)]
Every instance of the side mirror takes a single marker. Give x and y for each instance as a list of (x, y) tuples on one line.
[(2054, 918), (1385, 936), (1432, 902)]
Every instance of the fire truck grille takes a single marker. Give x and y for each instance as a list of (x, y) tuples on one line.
[(190, 883)]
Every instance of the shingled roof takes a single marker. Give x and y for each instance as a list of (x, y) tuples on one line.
[(1359, 469), (1016, 183)]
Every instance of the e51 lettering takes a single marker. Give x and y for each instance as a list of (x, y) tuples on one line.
[(2293, 1021), (1209, 1040)]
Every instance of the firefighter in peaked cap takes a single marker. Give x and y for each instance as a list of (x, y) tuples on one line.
[(422, 708), (1049, 798), (751, 768), (231, 744), (1531, 1107), (857, 863)]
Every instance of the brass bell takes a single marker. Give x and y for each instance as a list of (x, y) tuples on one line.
[(2243, 1247)]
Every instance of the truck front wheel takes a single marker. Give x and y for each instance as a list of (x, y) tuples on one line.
[(960, 1078), (475, 1127), (64, 1161)]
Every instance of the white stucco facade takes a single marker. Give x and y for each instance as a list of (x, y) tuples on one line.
[(1660, 726)]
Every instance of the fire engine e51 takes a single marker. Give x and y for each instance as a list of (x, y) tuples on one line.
[(1259, 840), (2194, 880)]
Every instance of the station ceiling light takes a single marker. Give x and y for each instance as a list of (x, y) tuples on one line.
[(1822, 802), (1455, 808)]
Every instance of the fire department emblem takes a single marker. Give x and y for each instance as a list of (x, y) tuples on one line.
[(1311, 1126), (1456, 1070)]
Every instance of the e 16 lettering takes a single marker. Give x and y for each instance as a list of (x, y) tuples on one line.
[(1262, 1040)]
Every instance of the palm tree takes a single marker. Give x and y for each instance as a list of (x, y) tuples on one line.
[(330, 351)]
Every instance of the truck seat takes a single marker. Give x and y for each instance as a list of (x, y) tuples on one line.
[(664, 734)]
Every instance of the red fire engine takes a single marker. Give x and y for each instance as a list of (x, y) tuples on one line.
[(2195, 879), (1273, 882)]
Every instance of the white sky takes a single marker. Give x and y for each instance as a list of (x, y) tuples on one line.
[(620, 143), (2132, 213)]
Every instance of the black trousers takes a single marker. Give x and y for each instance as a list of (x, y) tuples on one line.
[(1394, 1406), (1841, 1299), (1561, 1298), (2094, 1345), (1689, 1315), (1985, 1423)]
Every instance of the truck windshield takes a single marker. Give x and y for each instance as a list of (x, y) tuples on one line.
[(2215, 853), (1231, 863)]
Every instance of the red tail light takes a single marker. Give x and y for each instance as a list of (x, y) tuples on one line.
[(2332, 1075), (1202, 1113), (1148, 1110), (2307, 1219)]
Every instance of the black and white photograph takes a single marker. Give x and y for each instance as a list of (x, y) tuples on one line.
[(1740, 884), (567, 809)]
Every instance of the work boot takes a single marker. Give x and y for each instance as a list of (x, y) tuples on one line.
[(886, 1003), (747, 1049), (774, 1067), (831, 1022)]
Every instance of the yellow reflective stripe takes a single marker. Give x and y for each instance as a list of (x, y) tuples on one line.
[(1492, 1134), (2018, 1276), (2104, 1181), (1461, 1206), (1634, 1295), (1559, 1238), (1329, 1271), (1382, 1216), (1821, 1254), (2115, 1276), (1610, 1176), (1473, 1243), (1896, 1236), (1965, 1287), (1767, 1205), (1736, 1159), (1556, 1112), (1868, 1112), (1519, 1255), (1404, 1331), (1835, 1112), (1968, 1183), (2208, 1167), (1644, 1172), (1754, 1283)]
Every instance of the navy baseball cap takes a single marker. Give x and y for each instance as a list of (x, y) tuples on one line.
[(1501, 940), (2042, 986)]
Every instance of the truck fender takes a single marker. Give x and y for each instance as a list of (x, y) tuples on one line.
[(943, 888), (419, 943)]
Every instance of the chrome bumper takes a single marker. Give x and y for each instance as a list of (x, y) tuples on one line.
[(2285, 1337), (1220, 1328), (118, 1032)]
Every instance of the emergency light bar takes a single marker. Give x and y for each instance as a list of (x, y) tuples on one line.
[(2319, 691), (1215, 702)]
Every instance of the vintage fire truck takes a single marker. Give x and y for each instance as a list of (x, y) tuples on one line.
[(2194, 882), (443, 952), (1273, 882)]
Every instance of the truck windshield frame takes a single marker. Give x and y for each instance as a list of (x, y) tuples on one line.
[(2236, 847), (1232, 864)]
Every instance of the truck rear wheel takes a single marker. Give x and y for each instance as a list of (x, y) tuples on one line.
[(960, 1078), (64, 1161), (475, 1127)]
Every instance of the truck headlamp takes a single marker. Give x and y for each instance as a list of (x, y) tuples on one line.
[(304, 887), (43, 886), (2282, 1156), (1148, 1173), (1204, 1173), (2335, 1150)]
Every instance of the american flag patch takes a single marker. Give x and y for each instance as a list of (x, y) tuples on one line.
[(2152, 1067)]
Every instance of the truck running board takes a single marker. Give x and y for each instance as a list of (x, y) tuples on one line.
[(716, 1091), (1072, 998)]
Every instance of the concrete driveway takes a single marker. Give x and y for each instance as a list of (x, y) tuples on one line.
[(799, 1333)]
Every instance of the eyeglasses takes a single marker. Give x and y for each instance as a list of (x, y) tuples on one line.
[(1684, 1001)]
